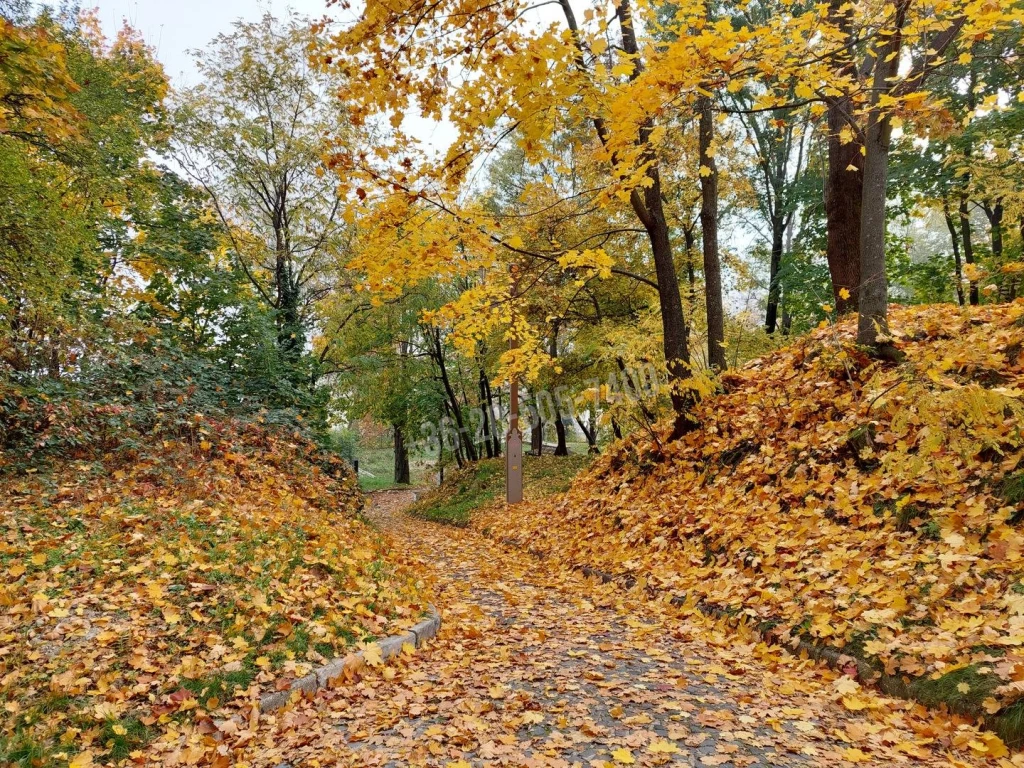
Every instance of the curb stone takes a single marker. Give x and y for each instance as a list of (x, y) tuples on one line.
[(321, 676)]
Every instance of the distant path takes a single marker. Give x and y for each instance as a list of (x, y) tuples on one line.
[(536, 667)]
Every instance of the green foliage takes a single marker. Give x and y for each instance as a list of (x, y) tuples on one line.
[(127, 401)]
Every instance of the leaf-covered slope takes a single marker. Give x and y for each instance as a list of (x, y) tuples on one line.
[(870, 506), (140, 603)]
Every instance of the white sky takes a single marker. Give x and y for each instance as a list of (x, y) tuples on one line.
[(173, 27)]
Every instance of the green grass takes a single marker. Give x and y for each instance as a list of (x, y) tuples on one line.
[(964, 688), (380, 463), (479, 484)]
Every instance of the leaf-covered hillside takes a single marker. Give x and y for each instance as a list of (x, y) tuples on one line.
[(144, 603), (876, 507)]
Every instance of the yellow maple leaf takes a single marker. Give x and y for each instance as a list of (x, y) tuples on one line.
[(81, 760), (372, 655), (854, 703), (663, 746), (171, 614), (623, 756), (855, 755)]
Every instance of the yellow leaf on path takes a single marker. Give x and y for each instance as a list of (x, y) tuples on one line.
[(372, 655), (623, 756), (854, 755), (408, 649), (846, 684), (459, 764), (663, 746), (854, 703)]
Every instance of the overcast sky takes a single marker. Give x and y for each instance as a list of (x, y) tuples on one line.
[(173, 27)]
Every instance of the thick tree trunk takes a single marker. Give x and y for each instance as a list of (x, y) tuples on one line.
[(673, 322), (873, 306), (709, 232), (844, 184), (402, 473), (561, 447), (774, 288)]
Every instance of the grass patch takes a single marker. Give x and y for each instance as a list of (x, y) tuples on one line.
[(962, 689), (220, 686), (479, 484)]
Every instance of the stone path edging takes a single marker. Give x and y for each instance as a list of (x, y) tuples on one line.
[(389, 648)]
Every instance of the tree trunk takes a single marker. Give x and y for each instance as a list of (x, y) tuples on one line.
[(844, 184), (561, 447), (691, 276), (709, 232), (774, 289), (495, 437), (465, 440), (589, 432), (968, 240), (994, 214), (873, 306), (536, 429), (485, 413), (401, 457), (954, 237), (965, 213)]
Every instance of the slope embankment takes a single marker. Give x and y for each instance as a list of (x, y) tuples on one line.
[(148, 603), (873, 508)]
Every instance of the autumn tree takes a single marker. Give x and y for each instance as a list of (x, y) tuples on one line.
[(72, 163), (253, 135), (551, 78)]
